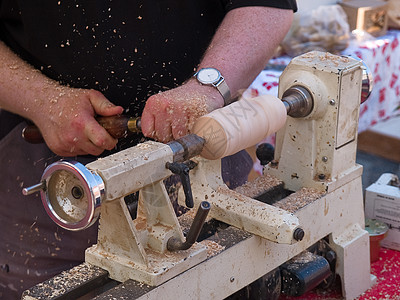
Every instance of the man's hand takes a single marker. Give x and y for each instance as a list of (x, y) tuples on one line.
[(68, 125), (64, 115), (171, 114)]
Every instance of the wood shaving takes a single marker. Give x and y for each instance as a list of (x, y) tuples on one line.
[(258, 186), (301, 198), (213, 248), (66, 281)]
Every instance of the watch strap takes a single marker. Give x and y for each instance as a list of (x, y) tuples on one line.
[(224, 90)]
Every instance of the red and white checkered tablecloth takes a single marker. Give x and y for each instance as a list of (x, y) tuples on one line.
[(382, 56)]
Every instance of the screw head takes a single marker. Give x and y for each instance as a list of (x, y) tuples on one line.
[(332, 102), (330, 256)]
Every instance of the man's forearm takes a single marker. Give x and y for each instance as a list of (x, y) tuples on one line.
[(245, 41), (22, 87)]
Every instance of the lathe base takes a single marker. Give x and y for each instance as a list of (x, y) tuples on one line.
[(243, 258), (163, 266)]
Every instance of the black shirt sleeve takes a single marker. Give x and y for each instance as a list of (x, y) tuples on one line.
[(284, 4)]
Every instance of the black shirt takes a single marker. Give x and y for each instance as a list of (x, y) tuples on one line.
[(128, 50)]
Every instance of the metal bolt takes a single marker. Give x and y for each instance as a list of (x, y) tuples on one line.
[(298, 234), (324, 158), (77, 192), (330, 256), (332, 102), (232, 279)]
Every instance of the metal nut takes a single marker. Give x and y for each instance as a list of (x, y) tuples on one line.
[(298, 234)]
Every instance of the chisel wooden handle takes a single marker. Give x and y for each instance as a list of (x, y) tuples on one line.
[(117, 126)]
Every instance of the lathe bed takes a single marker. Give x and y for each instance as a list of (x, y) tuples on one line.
[(88, 281)]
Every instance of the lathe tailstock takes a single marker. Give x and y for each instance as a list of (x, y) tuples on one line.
[(298, 226)]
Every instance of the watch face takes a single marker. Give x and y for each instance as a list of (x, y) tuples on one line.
[(208, 75)]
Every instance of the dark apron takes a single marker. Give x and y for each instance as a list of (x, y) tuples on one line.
[(32, 247)]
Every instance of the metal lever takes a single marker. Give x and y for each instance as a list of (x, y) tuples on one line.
[(34, 188), (182, 169), (174, 244)]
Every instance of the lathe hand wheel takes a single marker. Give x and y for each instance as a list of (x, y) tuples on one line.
[(72, 195)]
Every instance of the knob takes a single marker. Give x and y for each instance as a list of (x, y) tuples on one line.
[(265, 153)]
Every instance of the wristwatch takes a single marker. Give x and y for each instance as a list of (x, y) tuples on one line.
[(213, 77)]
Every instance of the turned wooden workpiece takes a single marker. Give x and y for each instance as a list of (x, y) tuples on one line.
[(239, 125)]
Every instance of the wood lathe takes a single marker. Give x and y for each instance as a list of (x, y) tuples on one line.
[(299, 225)]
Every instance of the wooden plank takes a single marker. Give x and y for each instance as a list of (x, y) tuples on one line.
[(71, 284), (378, 143)]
